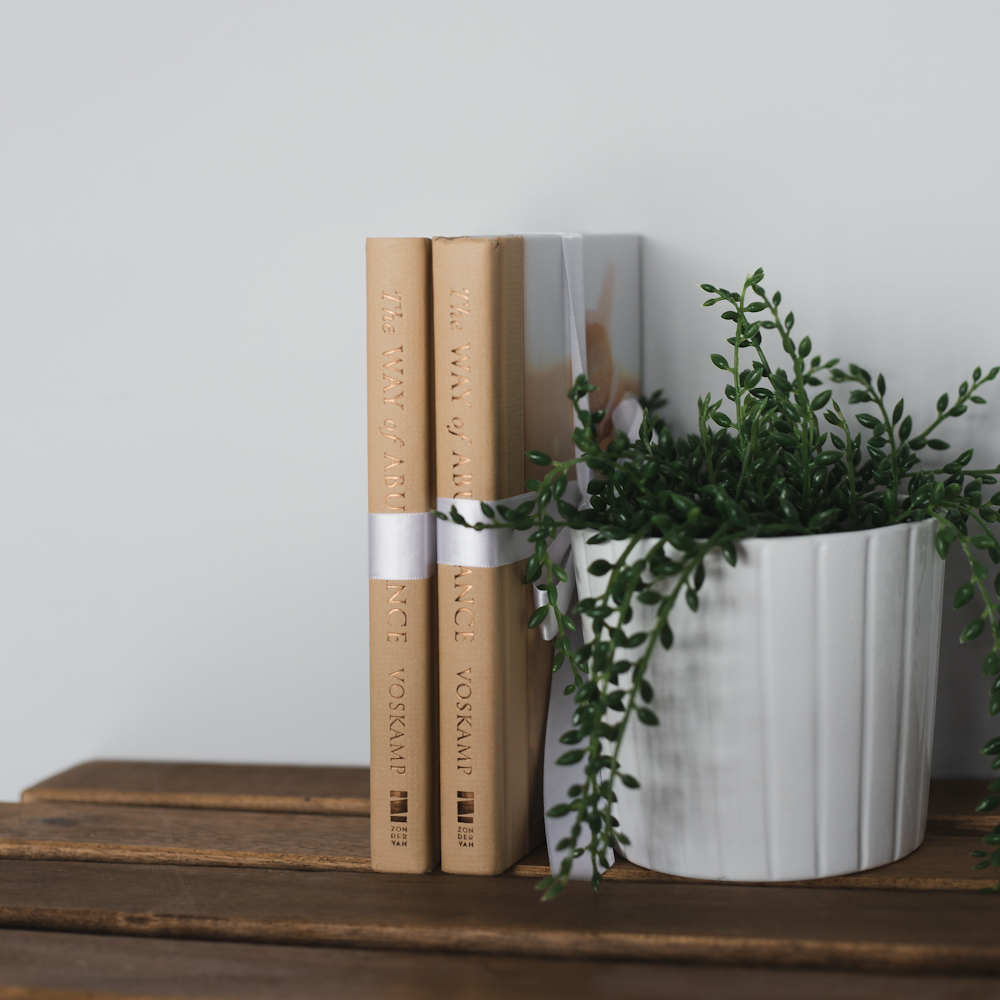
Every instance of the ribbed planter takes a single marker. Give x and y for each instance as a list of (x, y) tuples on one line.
[(796, 709)]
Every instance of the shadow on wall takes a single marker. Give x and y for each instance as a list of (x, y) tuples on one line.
[(963, 723)]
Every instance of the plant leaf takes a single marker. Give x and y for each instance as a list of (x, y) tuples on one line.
[(973, 630)]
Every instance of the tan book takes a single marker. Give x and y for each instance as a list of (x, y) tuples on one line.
[(502, 368), (401, 559)]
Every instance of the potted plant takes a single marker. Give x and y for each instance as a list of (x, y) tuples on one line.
[(768, 590)]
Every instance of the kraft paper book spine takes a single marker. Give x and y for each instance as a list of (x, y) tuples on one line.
[(402, 613), (488, 782)]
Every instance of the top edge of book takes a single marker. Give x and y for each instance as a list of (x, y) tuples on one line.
[(493, 236), (568, 232)]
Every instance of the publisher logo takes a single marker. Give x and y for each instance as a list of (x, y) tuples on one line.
[(466, 811), (397, 807)]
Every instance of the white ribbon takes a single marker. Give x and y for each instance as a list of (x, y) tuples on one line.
[(627, 417), (402, 546), (492, 547), (486, 549)]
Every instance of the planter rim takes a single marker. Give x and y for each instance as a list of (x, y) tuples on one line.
[(755, 542)]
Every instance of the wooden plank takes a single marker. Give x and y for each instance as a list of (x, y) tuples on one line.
[(30, 993), (332, 791), (144, 835), (53, 966), (625, 921), (33, 993), (952, 808), (940, 863), (338, 791)]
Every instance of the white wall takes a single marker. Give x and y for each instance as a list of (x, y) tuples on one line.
[(185, 188)]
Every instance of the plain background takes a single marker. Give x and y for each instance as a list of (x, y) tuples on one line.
[(185, 189)]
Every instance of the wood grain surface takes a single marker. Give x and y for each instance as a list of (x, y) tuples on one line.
[(38, 965), (941, 862), (141, 834), (337, 791), (45, 993), (144, 835), (952, 807), (333, 791), (721, 924)]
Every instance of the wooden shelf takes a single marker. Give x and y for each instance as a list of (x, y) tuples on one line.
[(46, 965), (85, 854), (334, 791), (131, 812), (329, 791), (731, 924), (72, 831)]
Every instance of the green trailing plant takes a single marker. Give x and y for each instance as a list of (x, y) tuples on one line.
[(780, 459)]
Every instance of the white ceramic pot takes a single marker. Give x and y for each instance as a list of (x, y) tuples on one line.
[(796, 709)]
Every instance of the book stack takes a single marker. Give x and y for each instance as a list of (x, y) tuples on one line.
[(473, 343)]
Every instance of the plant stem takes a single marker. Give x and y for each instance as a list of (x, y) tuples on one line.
[(851, 475), (949, 411), (706, 435)]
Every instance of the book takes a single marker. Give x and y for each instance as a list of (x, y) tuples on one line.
[(509, 338), (613, 301), (401, 558)]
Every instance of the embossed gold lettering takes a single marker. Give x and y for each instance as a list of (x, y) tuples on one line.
[(388, 430), (389, 375), (463, 720), (456, 429), (459, 307), (397, 717), (457, 379), (391, 314)]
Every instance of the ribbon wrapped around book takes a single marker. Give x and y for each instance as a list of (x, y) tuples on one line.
[(490, 547), (485, 549), (402, 546)]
